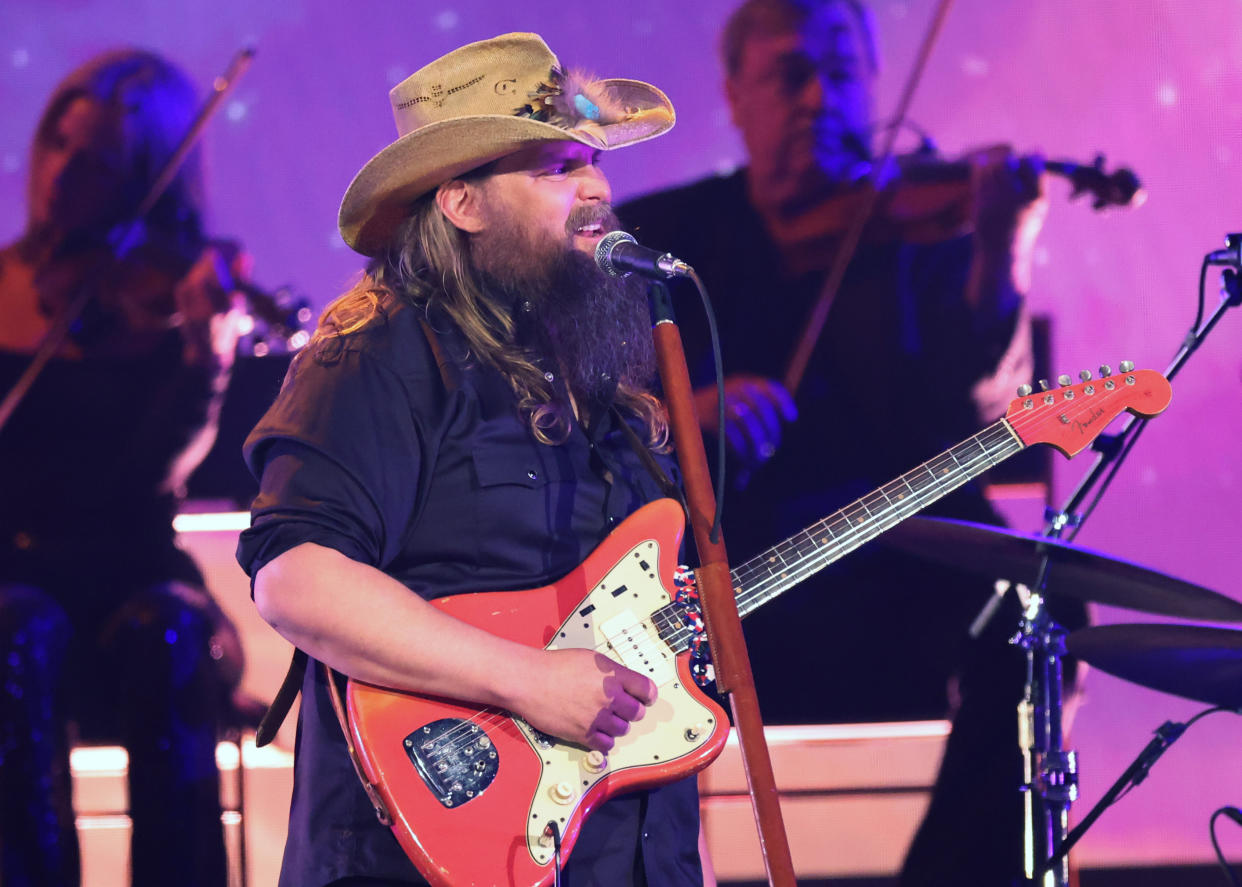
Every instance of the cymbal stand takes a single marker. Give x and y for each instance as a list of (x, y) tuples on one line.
[(1050, 772)]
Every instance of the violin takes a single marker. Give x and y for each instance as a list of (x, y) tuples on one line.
[(926, 199), (132, 291)]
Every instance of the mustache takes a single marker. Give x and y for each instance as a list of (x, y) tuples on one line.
[(592, 214)]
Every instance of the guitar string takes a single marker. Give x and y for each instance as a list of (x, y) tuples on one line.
[(755, 579), (941, 485), (1021, 422), (855, 524), (451, 743), (755, 571), (998, 432)]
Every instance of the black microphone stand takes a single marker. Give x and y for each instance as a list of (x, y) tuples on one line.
[(1050, 772)]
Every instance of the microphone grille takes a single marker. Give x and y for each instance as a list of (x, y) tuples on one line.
[(603, 251)]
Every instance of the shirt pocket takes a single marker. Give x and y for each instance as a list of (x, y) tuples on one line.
[(525, 503), (514, 468)]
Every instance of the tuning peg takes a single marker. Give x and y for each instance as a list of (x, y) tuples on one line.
[(1126, 366), (1043, 384), (1085, 375), (1024, 390), (1105, 371), (1064, 380)]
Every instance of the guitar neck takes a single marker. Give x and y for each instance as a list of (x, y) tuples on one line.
[(787, 563)]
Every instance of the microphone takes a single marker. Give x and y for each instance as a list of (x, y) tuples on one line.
[(618, 254)]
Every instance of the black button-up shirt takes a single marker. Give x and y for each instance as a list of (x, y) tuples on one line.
[(368, 451)]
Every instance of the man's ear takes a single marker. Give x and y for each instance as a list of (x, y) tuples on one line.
[(732, 96), (460, 202)]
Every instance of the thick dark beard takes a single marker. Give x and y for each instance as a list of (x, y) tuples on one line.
[(592, 329)]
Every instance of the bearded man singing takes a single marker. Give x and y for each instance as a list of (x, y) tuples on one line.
[(459, 424)]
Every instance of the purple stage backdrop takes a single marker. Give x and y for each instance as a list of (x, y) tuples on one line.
[(1154, 84)]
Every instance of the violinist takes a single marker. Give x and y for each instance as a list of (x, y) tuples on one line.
[(106, 624), (924, 342)]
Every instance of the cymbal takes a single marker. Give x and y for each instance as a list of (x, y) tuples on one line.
[(1193, 661), (1074, 571)]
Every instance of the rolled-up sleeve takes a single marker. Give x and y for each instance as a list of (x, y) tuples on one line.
[(338, 457)]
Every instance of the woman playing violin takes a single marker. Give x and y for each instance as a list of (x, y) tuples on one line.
[(105, 623)]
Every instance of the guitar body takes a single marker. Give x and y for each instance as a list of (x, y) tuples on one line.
[(471, 790)]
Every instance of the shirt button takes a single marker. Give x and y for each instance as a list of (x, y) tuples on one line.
[(532, 474)]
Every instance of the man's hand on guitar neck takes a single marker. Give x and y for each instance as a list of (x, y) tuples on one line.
[(585, 698)]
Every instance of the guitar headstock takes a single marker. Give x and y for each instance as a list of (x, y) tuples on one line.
[(1072, 416)]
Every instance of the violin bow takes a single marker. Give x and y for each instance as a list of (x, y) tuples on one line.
[(814, 326), (56, 334)]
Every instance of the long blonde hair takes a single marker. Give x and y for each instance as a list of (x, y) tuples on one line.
[(426, 266)]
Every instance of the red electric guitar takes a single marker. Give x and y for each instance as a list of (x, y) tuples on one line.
[(471, 791)]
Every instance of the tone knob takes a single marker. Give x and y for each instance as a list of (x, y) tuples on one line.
[(562, 792), (596, 761), (693, 733)]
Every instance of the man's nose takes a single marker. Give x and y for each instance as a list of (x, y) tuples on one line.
[(814, 94), (593, 184)]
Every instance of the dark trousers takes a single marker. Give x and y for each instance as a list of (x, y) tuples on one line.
[(139, 673)]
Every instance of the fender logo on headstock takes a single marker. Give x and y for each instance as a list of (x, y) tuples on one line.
[(1082, 424)]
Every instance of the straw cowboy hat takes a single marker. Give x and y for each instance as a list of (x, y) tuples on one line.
[(481, 102)]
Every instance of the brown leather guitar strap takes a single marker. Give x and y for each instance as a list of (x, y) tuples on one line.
[(381, 809), (658, 474)]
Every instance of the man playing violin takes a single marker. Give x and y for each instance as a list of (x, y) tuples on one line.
[(104, 621), (924, 342)]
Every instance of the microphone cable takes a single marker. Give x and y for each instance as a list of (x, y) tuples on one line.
[(1236, 815)]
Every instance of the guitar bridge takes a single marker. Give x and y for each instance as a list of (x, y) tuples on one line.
[(455, 758)]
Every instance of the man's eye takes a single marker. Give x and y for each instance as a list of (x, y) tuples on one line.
[(794, 76)]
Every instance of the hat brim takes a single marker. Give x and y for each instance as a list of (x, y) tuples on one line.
[(379, 197)]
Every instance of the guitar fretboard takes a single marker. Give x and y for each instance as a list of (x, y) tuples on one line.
[(787, 563)]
